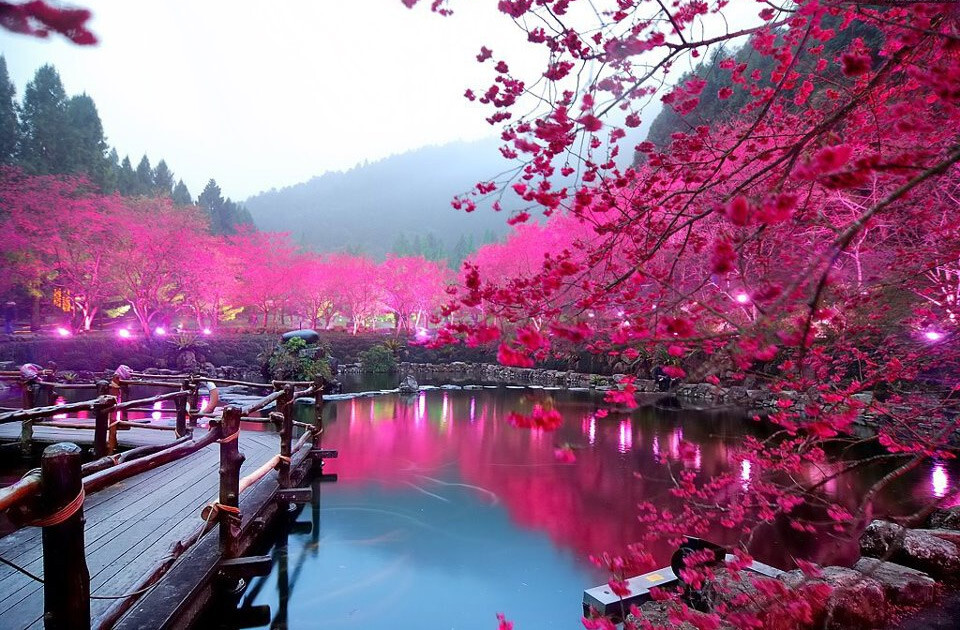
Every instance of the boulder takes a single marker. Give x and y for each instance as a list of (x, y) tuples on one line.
[(912, 548), (902, 585), (856, 601), (308, 335), (951, 535), (409, 385), (948, 518)]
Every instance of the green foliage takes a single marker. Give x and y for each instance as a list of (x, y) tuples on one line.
[(225, 215), (162, 179), (295, 361), (378, 359), (9, 132), (113, 313), (181, 195), (44, 141)]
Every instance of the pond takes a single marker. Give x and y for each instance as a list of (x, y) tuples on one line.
[(444, 514)]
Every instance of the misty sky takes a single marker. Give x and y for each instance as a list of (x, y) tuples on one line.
[(261, 95)]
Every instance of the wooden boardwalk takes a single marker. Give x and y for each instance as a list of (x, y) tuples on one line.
[(129, 525)]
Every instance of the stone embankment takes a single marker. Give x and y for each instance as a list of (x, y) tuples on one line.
[(900, 571)]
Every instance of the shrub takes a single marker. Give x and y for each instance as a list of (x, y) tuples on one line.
[(294, 361), (378, 359)]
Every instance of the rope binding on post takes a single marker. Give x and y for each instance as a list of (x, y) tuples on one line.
[(63, 514), (230, 438)]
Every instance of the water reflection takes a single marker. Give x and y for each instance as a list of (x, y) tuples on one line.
[(442, 506)]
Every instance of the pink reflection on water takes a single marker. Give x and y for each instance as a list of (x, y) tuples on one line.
[(59, 401), (421, 408), (157, 414), (939, 481), (675, 438), (473, 409), (592, 431), (625, 443), (656, 447)]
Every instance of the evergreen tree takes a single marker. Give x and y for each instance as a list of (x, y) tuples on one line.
[(111, 176), (416, 246), (9, 131), (401, 246), (44, 141), (162, 180), (181, 196), (144, 180), (127, 178), (432, 247), (86, 145), (460, 251), (212, 201)]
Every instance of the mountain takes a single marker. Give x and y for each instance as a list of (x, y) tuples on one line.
[(370, 207)]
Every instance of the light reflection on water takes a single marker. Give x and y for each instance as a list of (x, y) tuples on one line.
[(444, 514)]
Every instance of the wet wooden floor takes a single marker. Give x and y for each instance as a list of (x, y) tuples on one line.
[(129, 525)]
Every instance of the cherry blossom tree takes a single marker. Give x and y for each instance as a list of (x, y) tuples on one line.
[(411, 287), (795, 239), (266, 263), (147, 255)]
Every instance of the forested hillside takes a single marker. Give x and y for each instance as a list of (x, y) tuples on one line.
[(399, 205)]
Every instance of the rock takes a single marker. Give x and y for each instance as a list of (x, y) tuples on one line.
[(902, 585), (187, 361), (951, 535), (948, 518), (856, 601), (912, 548), (657, 614), (308, 335), (409, 385)]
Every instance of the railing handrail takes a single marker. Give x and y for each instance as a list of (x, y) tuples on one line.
[(43, 412)]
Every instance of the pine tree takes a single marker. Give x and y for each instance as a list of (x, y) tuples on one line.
[(86, 145), (144, 180), (127, 178), (44, 141), (162, 180), (401, 247), (9, 127), (111, 176), (432, 247), (181, 196), (211, 200)]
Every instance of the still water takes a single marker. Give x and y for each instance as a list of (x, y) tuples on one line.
[(444, 514)]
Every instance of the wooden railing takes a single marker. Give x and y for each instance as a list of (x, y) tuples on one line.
[(56, 490)]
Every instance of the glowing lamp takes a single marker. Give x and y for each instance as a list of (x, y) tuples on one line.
[(63, 332), (160, 331), (123, 333), (207, 331), (742, 298), (933, 335), (422, 334)]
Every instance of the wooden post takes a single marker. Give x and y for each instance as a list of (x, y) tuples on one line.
[(318, 383), (194, 398), (26, 426), (124, 397), (285, 406), (66, 587), (181, 403), (230, 461), (102, 421)]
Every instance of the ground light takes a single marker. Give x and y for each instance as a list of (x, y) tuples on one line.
[(933, 335), (123, 333), (160, 331), (207, 331), (63, 332), (742, 298)]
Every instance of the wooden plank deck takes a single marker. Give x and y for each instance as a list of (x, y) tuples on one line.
[(129, 525)]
